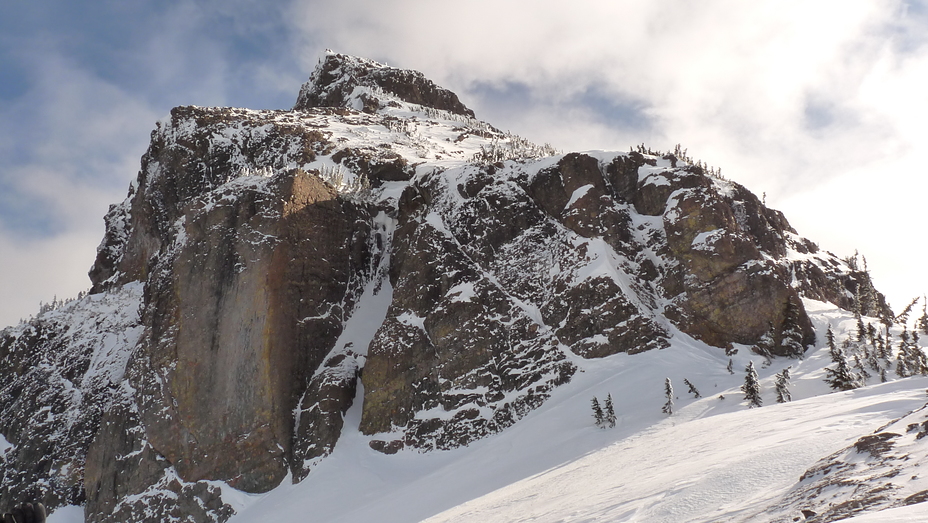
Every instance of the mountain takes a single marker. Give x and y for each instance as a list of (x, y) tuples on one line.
[(379, 255)]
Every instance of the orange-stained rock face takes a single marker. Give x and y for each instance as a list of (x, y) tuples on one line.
[(240, 317)]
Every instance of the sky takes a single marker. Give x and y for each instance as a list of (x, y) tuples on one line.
[(820, 107)]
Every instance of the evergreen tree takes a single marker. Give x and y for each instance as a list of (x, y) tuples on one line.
[(832, 347), (903, 316), (922, 323), (791, 339), (883, 378), (868, 301), (916, 361), (668, 392), (904, 357), (902, 362), (861, 371), (782, 385), (887, 352), (871, 334), (861, 330), (692, 388), (598, 414), (751, 387), (767, 343), (610, 412), (730, 367), (841, 377)]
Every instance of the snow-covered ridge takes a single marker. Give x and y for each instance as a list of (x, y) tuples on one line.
[(380, 273)]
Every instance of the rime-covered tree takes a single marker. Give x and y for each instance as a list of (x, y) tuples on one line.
[(791, 339), (782, 385), (902, 361), (832, 346), (598, 414), (841, 377), (886, 349), (903, 317), (861, 371), (915, 360), (609, 418), (861, 330), (922, 323), (751, 387), (767, 343), (692, 388), (668, 393), (904, 356)]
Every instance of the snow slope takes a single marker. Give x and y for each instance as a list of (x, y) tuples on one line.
[(712, 460)]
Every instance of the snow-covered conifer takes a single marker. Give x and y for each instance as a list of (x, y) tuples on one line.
[(610, 418), (832, 346), (692, 388), (730, 367), (861, 371), (751, 387), (782, 385), (791, 340), (922, 323), (598, 414), (668, 393), (841, 377)]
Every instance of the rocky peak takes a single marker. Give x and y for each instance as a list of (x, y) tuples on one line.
[(264, 259), (365, 85)]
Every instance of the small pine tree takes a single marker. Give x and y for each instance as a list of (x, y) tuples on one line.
[(782, 385), (861, 371), (751, 387), (885, 347), (766, 344), (903, 316), (883, 378), (598, 414), (692, 389), (730, 368), (832, 346), (668, 393), (871, 334), (841, 377), (791, 339), (609, 418), (902, 358), (922, 323)]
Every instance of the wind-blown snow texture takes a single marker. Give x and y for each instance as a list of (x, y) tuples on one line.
[(375, 307)]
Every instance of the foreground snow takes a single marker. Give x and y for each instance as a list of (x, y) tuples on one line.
[(712, 460)]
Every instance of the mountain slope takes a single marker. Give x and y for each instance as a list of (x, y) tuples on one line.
[(712, 460)]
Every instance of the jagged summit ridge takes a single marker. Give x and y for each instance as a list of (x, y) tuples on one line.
[(365, 85)]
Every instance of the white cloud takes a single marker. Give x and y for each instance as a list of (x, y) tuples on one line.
[(815, 103), (78, 148)]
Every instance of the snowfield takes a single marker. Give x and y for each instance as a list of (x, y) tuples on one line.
[(713, 460)]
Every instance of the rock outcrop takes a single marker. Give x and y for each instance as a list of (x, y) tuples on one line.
[(266, 261), (879, 471)]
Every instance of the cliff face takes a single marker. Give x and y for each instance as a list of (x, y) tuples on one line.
[(266, 261)]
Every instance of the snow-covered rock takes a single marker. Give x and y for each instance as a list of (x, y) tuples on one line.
[(376, 247)]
